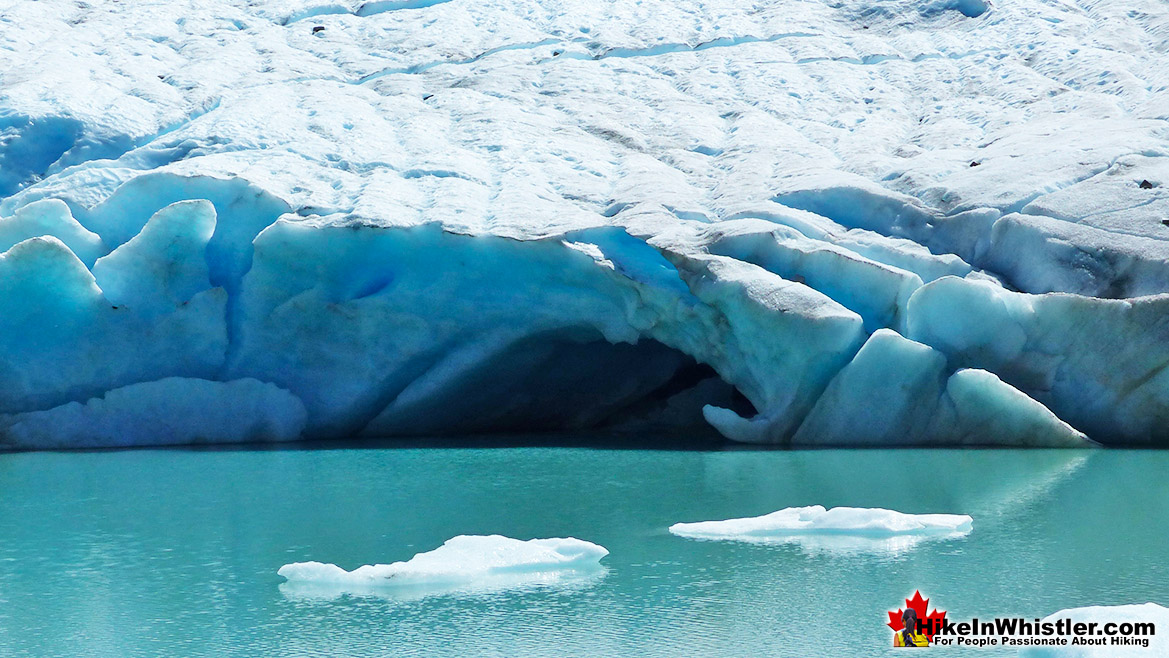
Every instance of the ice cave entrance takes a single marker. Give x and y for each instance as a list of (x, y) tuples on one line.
[(570, 381)]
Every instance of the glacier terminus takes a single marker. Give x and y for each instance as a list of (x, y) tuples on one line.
[(810, 222)]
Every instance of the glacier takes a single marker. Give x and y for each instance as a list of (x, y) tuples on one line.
[(864, 222)]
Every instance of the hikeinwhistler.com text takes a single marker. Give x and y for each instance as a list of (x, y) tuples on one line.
[(1020, 632)]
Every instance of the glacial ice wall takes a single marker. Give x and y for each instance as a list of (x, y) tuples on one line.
[(867, 222)]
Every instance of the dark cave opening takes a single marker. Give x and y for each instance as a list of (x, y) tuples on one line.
[(572, 383)]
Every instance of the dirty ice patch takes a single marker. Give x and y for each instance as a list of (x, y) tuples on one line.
[(467, 564), (836, 530)]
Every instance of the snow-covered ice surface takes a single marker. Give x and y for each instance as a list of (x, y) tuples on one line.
[(1148, 612), (836, 530), (467, 564), (471, 215)]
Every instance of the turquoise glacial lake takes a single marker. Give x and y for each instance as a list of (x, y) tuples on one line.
[(175, 552)]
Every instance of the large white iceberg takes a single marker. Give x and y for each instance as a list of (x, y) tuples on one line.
[(668, 214), (838, 530), (1147, 645), (466, 563)]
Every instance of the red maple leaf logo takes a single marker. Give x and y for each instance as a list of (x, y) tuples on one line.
[(929, 623)]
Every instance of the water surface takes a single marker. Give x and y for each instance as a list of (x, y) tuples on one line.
[(175, 552)]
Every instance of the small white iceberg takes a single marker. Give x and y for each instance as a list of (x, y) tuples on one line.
[(1158, 643), (465, 564), (840, 529)]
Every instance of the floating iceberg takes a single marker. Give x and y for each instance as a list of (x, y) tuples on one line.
[(467, 563), (699, 217), (1151, 613), (836, 530)]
